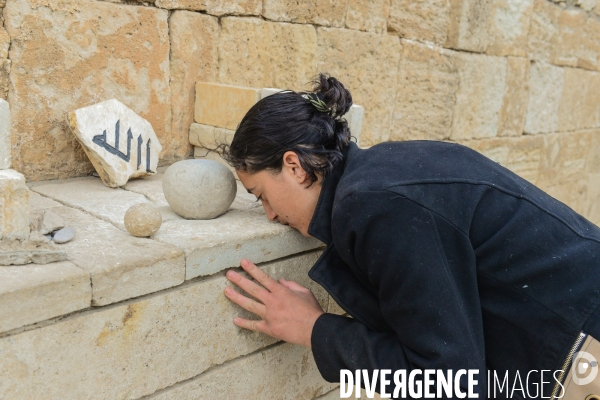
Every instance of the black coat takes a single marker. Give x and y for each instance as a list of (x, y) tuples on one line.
[(447, 260)]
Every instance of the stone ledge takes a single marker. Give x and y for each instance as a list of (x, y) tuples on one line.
[(33, 293), (135, 348)]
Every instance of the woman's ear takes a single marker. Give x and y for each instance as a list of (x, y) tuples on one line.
[(291, 164)]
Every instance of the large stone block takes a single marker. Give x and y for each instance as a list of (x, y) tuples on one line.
[(480, 95), (427, 20), (70, 54), (14, 206), (194, 58), (469, 24), (33, 293), (4, 134), (209, 136), (250, 49), (135, 348), (509, 27), (589, 56), (516, 97), (563, 161), (223, 106), (580, 101), (214, 7), (126, 148), (370, 16), (569, 41), (318, 12), (426, 93), (546, 84), (358, 57), (543, 31), (285, 371)]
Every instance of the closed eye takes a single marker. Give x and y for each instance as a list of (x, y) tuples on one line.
[(259, 198)]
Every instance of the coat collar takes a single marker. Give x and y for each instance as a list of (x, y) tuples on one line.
[(320, 224)]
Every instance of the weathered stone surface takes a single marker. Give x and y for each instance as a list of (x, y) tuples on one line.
[(543, 31), (119, 143), (121, 266), (318, 12), (509, 27), (370, 16), (480, 96), (208, 136), (358, 57), (142, 220), (546, 84), (564, 159), (284, 371), (199, 189), (223, 106), (250, 49), (91, 196), (427, 85), (4, 134), (73, 53), (35, 293), (587, 5), (516, 97), (14, 206), (4, 42), (194, 58), (213, 245), (569, 41), (580, 101), (4, 78), (121, 351), (420, 20), (355, 117), (50, 222), (469, 24), (31, 256), (215, 7), (589, 56)]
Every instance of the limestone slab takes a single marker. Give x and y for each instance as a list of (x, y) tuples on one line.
[(580, 101), (213, 245), (355, 58), (94, 52), (589, 55), (509, 27), (569, 41), (428, 81), (480, 96), (516, 97), (121, 266), (469, 24), (14, 206), (121, 351), (420, 20), (214, 7), (194, 58), (91, 196), (543, 31), (546, 84), (317, 12), (223, 106), (4, 134), (33, 293), (250, 49), (208, 136), (119, 143), (370, 16), (284, 371)]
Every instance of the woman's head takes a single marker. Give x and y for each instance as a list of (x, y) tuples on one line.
[(287, 142)]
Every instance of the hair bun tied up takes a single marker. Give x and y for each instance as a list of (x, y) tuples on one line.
[(337, 98)]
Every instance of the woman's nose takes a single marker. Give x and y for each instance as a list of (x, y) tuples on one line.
[(271, 215)]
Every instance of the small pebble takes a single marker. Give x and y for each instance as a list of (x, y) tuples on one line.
[(64, 235)]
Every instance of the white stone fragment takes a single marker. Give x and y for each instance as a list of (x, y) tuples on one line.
[(199, 189), (354, 116), (268, 91), (33, 293), (14, 206), (4, 134), (119, 143), (50, 222)]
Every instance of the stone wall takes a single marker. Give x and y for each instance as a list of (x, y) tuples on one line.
[(518, 80)]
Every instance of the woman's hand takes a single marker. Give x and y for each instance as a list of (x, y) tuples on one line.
[(287, 310)]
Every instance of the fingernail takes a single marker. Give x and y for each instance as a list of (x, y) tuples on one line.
[(236, 320), (230, 274), (227, 291)]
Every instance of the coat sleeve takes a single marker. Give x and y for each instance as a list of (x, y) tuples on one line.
[(432, 304)]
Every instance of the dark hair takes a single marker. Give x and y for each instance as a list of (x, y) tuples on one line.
[(291, 121)]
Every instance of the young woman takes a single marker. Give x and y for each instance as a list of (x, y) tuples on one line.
[(444, 259)]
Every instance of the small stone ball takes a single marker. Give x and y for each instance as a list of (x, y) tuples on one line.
[(199, 189), (142, 220)]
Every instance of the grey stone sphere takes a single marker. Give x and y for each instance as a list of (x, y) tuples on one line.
[(199, 189), (142, 220)]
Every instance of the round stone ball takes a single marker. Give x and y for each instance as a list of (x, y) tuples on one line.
[(199, 189), (142, 220)]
